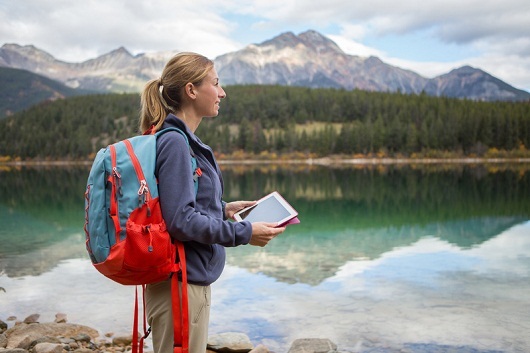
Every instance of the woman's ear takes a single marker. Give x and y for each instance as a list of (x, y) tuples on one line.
[(190, 90)]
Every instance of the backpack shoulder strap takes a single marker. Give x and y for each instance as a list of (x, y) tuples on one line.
[(196, 171), (179, 295)]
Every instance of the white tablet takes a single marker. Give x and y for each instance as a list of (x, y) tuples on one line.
[(271, 208)]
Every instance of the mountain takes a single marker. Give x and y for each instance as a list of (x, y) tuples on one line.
[(117, 71), (473, 84), (311, 59), (308, 59), (21, 89)]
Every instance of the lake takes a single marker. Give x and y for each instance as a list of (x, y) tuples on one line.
[(387, 258)]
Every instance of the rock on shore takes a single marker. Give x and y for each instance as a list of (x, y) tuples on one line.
[(30, 336)]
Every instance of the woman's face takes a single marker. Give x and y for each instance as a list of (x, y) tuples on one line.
[(209, 95)]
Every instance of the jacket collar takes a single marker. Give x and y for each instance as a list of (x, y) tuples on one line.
[(173, 121)]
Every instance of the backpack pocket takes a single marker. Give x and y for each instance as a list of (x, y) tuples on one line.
[(148, 245)]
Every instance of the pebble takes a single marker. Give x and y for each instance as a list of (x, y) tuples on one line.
[(230, 342), (122, 341), (33, 318), (82, 337), (314, 345), (46, 347), (60, 318)]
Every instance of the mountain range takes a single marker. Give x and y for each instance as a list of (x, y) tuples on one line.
[(308, 59)]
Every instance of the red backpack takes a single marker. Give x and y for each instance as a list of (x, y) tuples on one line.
[(126, 236)]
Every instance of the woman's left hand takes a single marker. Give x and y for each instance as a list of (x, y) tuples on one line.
[(232, 207)]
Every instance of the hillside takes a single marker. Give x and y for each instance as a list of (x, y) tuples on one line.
[(20, 89), (277, 120)]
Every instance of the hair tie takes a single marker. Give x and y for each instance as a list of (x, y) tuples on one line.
[(162, 99)]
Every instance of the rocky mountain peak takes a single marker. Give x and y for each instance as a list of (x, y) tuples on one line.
[(475, 84), (319, 42), (287, 39), (121, 51), (309, 59), (308, 41), (11, 54)]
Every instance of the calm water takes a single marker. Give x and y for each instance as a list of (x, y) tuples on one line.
[(426, 259)]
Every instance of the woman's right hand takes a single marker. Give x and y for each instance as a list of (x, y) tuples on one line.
[(263, 232)]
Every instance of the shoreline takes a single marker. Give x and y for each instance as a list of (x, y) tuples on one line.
[(324, 161), (32, 335)]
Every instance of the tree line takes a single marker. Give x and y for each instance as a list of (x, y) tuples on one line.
[(260, 119)]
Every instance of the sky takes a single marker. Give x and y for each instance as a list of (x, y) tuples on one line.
[(429, 37)]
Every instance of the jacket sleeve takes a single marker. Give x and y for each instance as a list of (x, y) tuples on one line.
[(177, 199)]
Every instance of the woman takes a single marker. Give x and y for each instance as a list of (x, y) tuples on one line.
[(187, 92)]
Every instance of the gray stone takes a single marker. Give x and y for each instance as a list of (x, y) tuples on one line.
[(60, 318), (44, 339), (22, 335), (230, 342), (33, 318), (313, 345), (3, 326), (122, 340), (24, 342), (3, 340), (82, 337), (47, 347)]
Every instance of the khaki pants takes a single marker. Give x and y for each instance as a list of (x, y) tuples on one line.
[(160, 316)]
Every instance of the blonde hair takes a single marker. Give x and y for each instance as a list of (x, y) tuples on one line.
[(164, 95)]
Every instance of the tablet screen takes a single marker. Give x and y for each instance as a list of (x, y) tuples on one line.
[(269, 209)]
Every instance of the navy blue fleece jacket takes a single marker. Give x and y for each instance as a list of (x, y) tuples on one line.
[(199, 222)]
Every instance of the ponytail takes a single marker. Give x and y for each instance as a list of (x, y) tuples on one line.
[(153, 109)]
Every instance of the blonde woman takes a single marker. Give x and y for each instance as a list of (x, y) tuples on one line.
[(187, 92)]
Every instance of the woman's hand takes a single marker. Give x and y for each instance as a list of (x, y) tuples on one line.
[(263, 232), (232, 207)]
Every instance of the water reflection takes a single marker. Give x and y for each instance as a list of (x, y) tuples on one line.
[(347, 213), (311, 257), (394, 257), (429, 292)]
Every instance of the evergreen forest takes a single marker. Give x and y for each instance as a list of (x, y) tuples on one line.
[(271, 121)]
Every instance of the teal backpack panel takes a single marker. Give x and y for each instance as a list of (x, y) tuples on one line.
[(100, 228)]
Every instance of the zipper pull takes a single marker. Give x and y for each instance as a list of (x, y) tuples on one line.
[(143, 193), (143, 188), (117, 178)]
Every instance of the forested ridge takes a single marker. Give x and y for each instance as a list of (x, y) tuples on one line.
[(277, 120), (20, 89)]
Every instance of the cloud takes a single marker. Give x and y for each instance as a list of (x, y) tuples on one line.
[(491, 34), (80, 30), (495, 32)]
